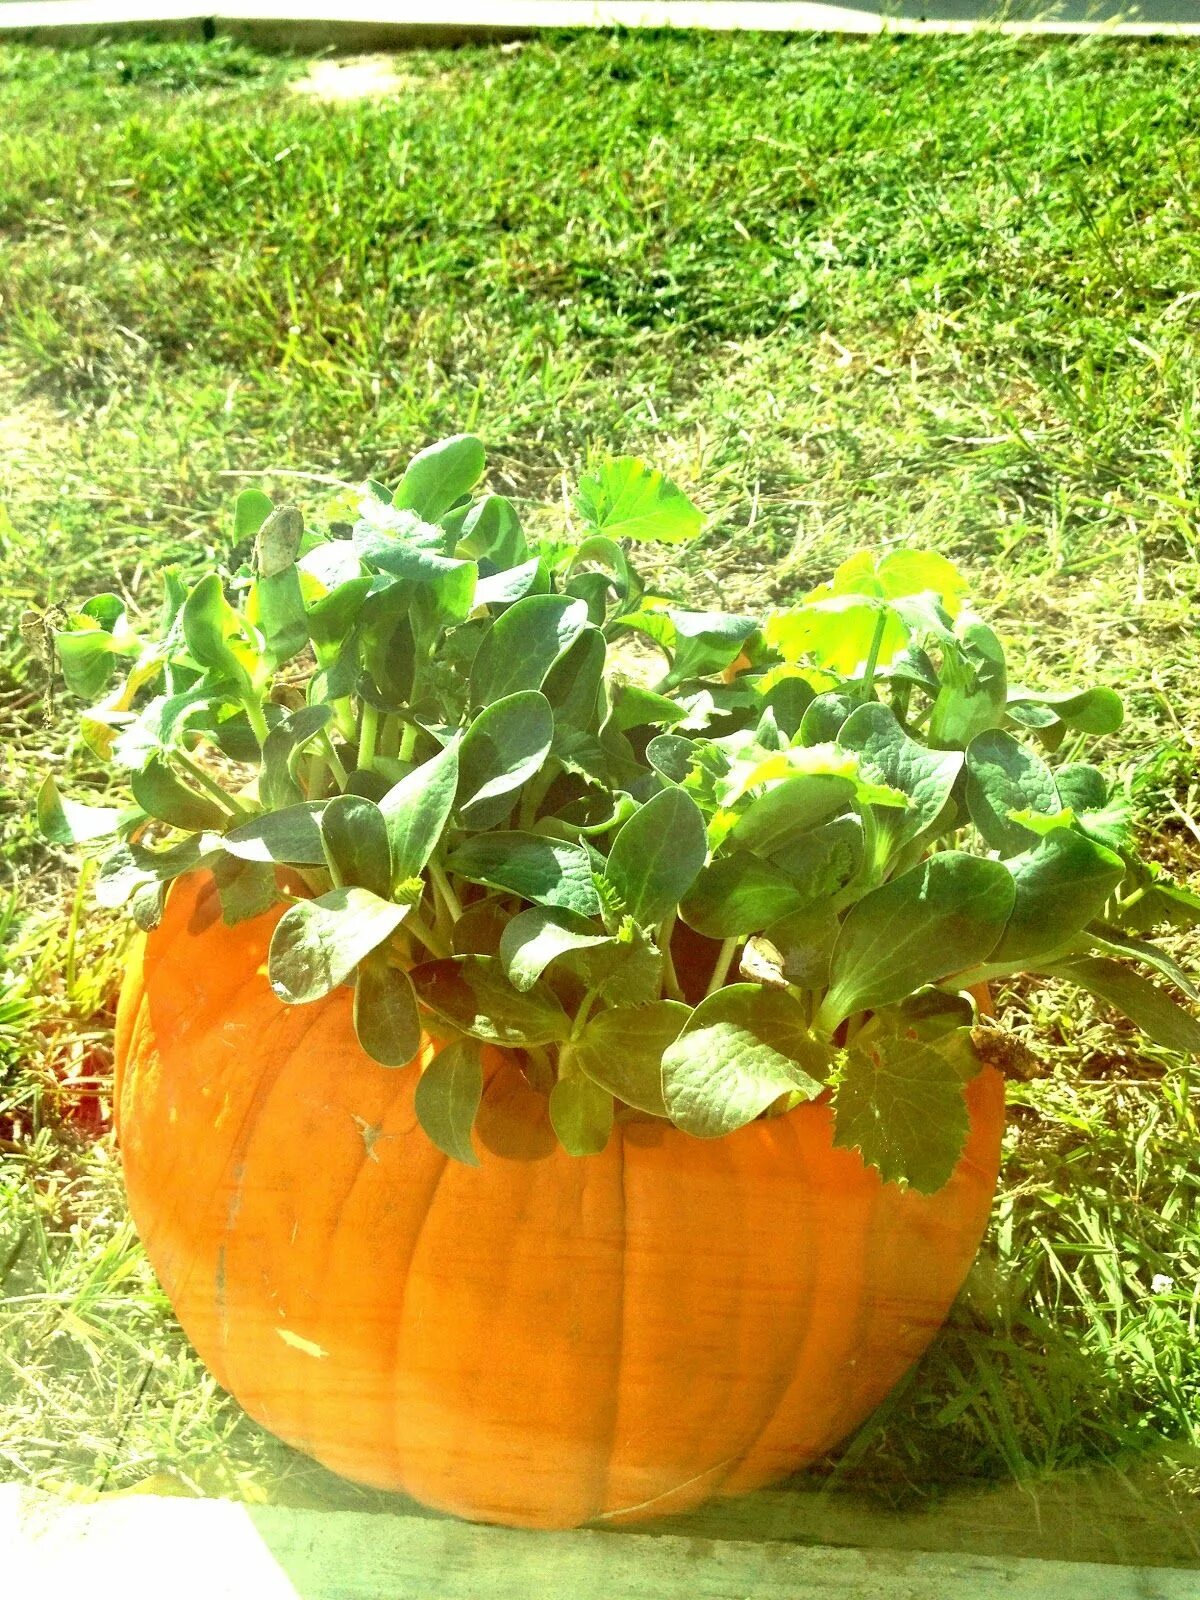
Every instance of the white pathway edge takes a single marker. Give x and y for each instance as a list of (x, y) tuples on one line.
[(500, 17)]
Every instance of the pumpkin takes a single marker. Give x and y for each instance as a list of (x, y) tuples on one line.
[(540, 1341)]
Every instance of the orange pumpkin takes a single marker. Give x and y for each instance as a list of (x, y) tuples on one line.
[(540, 1341)]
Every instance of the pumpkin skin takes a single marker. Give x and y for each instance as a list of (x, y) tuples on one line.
[(541, 1341)]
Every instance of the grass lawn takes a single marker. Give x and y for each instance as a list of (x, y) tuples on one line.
[(846, 292)]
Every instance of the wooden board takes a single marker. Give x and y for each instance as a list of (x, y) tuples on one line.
[(145, 1547)]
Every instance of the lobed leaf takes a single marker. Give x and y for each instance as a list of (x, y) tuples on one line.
[(738, 1052), (899, 1102)]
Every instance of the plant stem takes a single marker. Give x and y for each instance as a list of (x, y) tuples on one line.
[(334, 760), (721, 970), (581, 1015), (212, 789), (670, 977), (389, 738), (85, 873), (532, 796), (873, 656), (424, 935), (408, 741), (343, 713), (317, 771), (544, 1073), (445, 889), (368, 737)]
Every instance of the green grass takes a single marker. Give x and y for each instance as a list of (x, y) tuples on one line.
[(846, 292)]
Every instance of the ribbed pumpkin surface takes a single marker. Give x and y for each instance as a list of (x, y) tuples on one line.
[(540, 1341)]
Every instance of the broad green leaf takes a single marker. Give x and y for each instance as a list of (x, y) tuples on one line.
[(1003, 777), (215, 635), (162, 794), (838, 633), (332, 563), (88, 658), (291, 837), (444, 602), (386, 1019), (896, 575), (790, 807), (491, 530), (67, 822), (503, 748), (246, 888), (670, 754), (657, 856), (910, 572), (1106, 818), (608, 554), (697, 643), (739, 894), (251, 510), (504, 588), (581, 1113), (887, 755), (738, 1052), (1156, 902), (1112, 942), (573, 684), (1146, 1006), (401, 544), (276, 602), (447, 1099), (330, 619), (146, 905), (627, 972), (129, 868), (481, 927), (474, 996), (706, 641), (523, 644), (440, 475), (805, 943), (275, 607), (318, 943), (547, 871), (626, 499), (355, 836), (1060, 887), (973, 692), (899, 1102), (595, 590), (942, 917), (621, 1049), (824, 717), (417, 808), (824, 861), (1094, 711), (535, 938), (277, 787), (635, 707)]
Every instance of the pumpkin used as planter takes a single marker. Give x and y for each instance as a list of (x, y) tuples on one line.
[(551, 1093), (541, 1340)]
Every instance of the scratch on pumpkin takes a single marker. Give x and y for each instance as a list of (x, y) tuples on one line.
[(371, 1133), (306, 1346)]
